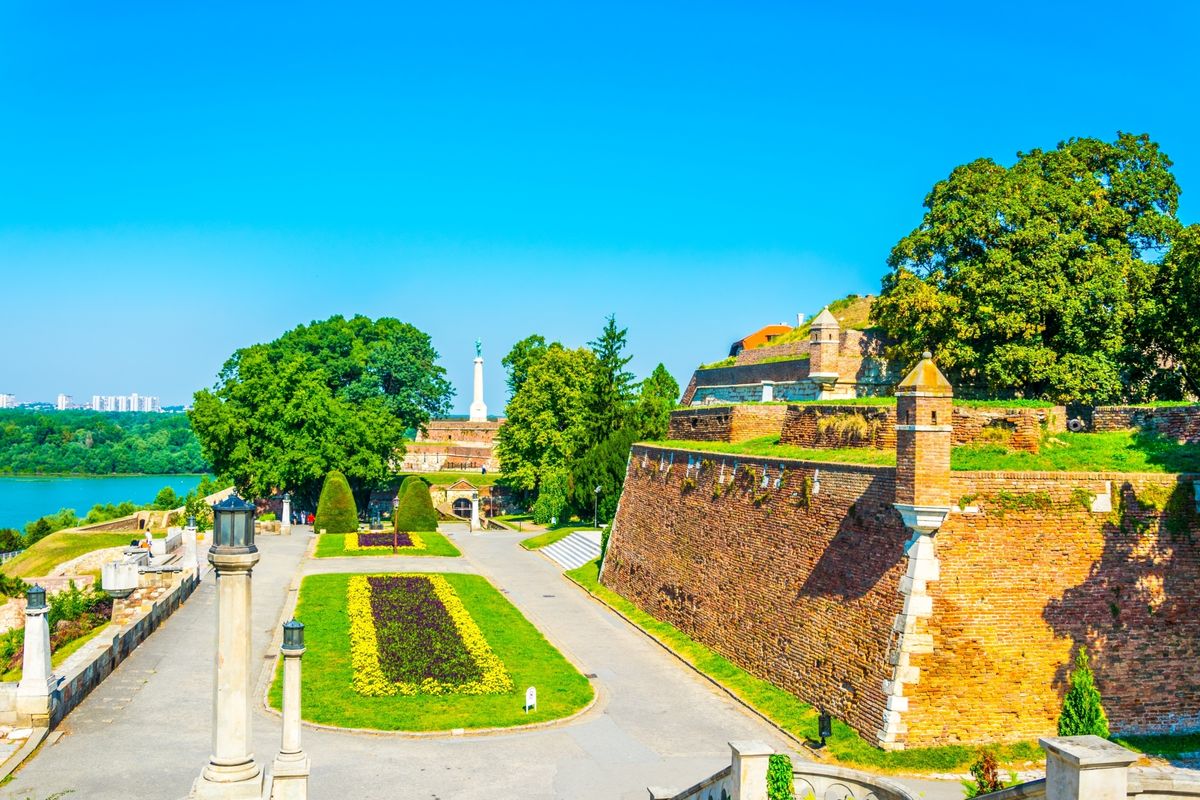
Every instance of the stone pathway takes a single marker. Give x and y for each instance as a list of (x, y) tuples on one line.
[(145, 732)]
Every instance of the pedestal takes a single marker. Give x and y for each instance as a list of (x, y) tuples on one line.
[(37, 680), (285, 518), (289, 772), (231, 772)]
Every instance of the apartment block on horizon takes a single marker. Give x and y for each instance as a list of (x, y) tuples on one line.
[(8, 401), (120, 402)]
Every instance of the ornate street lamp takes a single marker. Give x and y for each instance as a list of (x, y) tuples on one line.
[(232, 771), (35, 597), (824, 726)]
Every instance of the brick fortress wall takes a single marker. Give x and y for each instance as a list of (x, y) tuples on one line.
[(800, 585), (727, 423), (1181, 423)]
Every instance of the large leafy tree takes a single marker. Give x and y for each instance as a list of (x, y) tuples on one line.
[(520, 359), (337, 394), (1031, 280), (547, 422), (1173, 328), (657, 396)]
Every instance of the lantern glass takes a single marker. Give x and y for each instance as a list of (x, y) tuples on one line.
[(233, 524), (293, 635), (825, 726), (35, 597)]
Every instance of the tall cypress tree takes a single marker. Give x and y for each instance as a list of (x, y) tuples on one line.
[(611, 390), (1082, 710)]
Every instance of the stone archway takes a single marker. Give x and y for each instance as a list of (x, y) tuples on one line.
[(462, 507)]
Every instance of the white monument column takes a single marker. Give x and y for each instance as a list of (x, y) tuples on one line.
[(289, 773), (285, 523), (37, 680), (475, 511), (231, 772), (478, 408)]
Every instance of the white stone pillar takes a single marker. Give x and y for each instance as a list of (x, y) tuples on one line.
[(190, 558), (289, 773), (37, 679), (1086, 768), (749, 773), (232, 773), (478, 408), (475, 511), (285, 523)]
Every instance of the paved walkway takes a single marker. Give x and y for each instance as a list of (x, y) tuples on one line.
[(145, 732)]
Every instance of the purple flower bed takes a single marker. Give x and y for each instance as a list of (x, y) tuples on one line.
[(417, 638), (384, 540)]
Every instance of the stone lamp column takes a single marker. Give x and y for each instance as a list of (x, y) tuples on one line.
[(37, 680), (285, 516), (289, 773), (231, 772)]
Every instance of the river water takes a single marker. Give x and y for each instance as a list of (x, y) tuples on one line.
[(26, 498)]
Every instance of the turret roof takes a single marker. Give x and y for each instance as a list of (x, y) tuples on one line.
[(825, 320), (925, 377)]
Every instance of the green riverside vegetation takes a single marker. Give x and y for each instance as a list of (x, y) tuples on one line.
[(326, 696), (97, 443), (58, 547)]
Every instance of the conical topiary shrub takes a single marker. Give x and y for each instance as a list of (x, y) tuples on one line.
[(1082, 710), (416, 512), (336, 511)]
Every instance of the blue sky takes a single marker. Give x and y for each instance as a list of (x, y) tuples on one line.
[(178, 180)]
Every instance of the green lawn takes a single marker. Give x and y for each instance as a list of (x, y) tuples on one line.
[(58, 547), (1120, 451), (333, 545), (326, 696), (551, 536), (447, 478), (786, 710)]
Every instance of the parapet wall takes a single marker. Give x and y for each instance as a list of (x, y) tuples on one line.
[(1181, 423), (727, 423), (799, 579)]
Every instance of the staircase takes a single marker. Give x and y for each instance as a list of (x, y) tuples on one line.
[(576, 550)]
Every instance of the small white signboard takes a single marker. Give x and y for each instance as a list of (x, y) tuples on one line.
[(530, 699)]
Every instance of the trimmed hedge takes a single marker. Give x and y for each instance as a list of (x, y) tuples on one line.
[(336, 511), (416, 512)]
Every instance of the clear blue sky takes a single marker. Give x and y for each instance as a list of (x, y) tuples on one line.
[(176, 182)]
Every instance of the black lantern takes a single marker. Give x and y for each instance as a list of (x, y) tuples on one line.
[(233, 525), (35, 597), (396, 501), (191, 521), (824, 726), (293, 635)]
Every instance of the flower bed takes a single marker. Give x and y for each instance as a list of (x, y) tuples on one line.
[(383, 541), (410, 634)]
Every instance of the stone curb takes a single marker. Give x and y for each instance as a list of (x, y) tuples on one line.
[(26, 750)]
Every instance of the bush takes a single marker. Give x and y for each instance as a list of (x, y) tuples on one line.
[(1083, 710), (267, 517), (416, 512), (74, 603), (166, 499), (10, 540), (986, 776), (779, 777), (336, 511)]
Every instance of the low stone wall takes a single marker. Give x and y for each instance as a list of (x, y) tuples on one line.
[(756, 355), (727, 423), (1181, 423), (820, 426)]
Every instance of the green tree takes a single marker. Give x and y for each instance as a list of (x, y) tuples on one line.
[(1173, 328), (416, 511), (610, 393), (602, 465), (520, 360), (657, 396), (166, 499), (338, 394), (553, 499), (10, 540), (546, 423), (1030, 280), (336, 511), (36, 531), (1082, 709)]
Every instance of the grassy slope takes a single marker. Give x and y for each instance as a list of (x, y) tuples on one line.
[(333, 545), (786, 710), (327, 696), (1120, 451), (59, 547), (61, 654), (447, 478), (551, 536)]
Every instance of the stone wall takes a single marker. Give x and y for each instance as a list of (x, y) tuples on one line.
[(459, 430), (727, 423), (809, 426), (799, 582), (1181, 423), (756, 355)]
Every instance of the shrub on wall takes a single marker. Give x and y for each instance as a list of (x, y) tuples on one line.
[(336, 510), (779, 778), (416, 512), (1083, 710)]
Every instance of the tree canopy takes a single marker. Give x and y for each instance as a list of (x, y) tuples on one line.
[(1033, 280), (337, 394), (1173, 328)]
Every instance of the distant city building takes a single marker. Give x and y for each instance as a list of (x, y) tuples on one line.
[(120, 402), (8, 401), (63, 402)]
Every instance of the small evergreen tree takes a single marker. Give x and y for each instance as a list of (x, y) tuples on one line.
[(1083, 710), (336, 511), (780, 785), (416, 511)]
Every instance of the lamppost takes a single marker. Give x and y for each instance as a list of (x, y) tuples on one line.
[(596, 508), (289, 773), (285, 515), (231, 772), (37, 678)]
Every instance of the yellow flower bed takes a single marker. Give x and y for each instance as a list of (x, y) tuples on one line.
[(369, 678), (351, 543)]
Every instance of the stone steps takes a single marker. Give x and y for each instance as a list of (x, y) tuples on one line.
[(575, 550)]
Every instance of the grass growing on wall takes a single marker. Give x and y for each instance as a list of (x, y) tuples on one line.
[(327, 696), (447, 477), (786, 710), (770, 447)]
